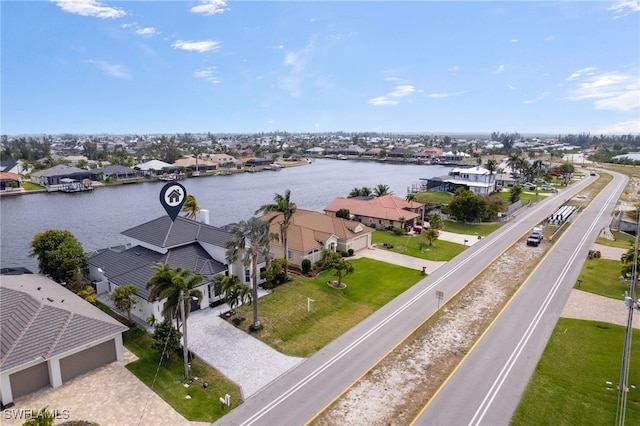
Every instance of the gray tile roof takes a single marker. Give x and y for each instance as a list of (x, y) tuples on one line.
[(134, 265), (41, 319), (164, 233)]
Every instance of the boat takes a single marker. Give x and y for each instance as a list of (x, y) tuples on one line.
[(168, 177)]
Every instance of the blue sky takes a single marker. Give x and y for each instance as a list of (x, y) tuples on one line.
[(552, 67)]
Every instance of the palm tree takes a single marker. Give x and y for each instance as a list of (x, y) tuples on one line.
[(169, 284), (235, 293), (286, 210), (491, 165), (191, 207), (248, 238), (382, 190)]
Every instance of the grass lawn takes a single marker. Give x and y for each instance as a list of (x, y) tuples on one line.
[(601, 276), (410, 246), (288, 327), (30, 186), (622, 240), (569, 385), (483, 229), (435, 197), (204, 404)]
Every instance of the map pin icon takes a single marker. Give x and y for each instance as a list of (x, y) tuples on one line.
[(172, 197)]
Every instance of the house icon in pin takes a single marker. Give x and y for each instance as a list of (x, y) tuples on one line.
[(174, 196)]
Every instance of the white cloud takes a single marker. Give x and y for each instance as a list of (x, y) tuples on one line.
[(113, 70), (580, 73), (400, 91), (90, 8), (623, 128), (210, 7), (612, 91), (197, 46), (208, 74), (383, 100), (147, 32), (297, 74), (443, 95), (499, 70), (514, 40), (625, 7)]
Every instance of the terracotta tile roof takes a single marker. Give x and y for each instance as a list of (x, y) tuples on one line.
[(387, 207), (310, 230)]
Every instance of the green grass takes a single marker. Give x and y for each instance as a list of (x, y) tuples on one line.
[(288, 327), (569, 386), (204, 404), (30, 186), (435, 197), (622, 240), (440, 251), (601, 276), (483, 229)]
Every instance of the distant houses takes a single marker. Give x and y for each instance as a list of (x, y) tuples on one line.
[(386, 212)]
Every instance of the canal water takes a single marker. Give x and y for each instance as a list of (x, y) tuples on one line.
[(96, 218)]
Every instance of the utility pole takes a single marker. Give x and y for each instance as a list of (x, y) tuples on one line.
[(185, 350), (424, 207)]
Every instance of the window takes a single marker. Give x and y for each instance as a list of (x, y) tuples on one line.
[(247, 275)]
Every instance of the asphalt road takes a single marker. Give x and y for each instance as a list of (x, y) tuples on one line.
[(489, 383), (297, 396)]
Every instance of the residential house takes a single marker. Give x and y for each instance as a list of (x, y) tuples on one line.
[(185, 243), (61, 175), (476, 179), (224, 161), (14, 166), (386, 212), (196, 164), (312, 232), (118, 172), (10, 182), (49, 335), (155, 168)]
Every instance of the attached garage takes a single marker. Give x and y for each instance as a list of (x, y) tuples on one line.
[(30, 379), (49, 335), (87, 360)]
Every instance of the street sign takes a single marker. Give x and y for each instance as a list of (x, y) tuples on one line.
[(172, 198)]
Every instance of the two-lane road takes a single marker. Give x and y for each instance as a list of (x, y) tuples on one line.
[(487, 386), (300, 394)]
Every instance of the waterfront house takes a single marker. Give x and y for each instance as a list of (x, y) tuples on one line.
[(155, 168), (10, 182), (50, 335), (311, 232), (476, 179), (118, 172), (386, 212), (185, 243), (58, 177)]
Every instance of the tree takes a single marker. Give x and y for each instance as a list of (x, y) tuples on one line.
[(124, 299), (166, 339), (170, 284), (60, 255), (333, 260), (630, 262), (491, 165), (381, 189), (191, 207), (286, 209), (435, 221), (431, 235), (246, 245), (344, 214), (514, 193), (235, 293), (467, 207)]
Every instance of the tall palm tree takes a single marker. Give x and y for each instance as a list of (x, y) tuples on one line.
[(491, 165), (248, 238), (286, 210), (170, 283), (191, 207)]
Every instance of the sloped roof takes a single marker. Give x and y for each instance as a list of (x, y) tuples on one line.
[(153, 164), (387, 207), (41, 319), (60, 170), (310, 230), (135, 265), (164, 233)]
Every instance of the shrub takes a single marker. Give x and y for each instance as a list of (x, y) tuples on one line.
[(344, 254), (306, 266), (350, 251), (398, 231)]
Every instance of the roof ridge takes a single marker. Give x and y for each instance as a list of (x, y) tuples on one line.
[(24, 330), (62, 331), (166, 237)]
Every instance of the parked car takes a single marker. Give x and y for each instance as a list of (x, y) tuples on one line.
[(536, 236), (592, 174), (547, 188), (529, 185)]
